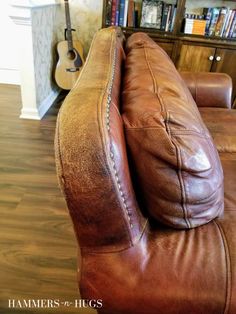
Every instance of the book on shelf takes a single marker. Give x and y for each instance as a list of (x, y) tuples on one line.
[(126, 13), (172, 17), (195, 25), (229, 24), (135, 13), (113, 13), (233, 26), (165, 12), (108, 12), (219, 22), (214, 19), (207, 12), (130, 18), (121, 12), (117, 12), (138, 13)]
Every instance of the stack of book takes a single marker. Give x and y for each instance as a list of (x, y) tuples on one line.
[(147, 13), (220, 22), (194, 24), (123, 13)]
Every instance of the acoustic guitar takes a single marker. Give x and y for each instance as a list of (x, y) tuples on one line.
[(70, 56)]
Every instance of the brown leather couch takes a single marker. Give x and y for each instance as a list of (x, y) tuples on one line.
[(130, 261)]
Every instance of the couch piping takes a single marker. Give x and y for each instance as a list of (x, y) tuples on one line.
[(111, 154), (228, 269)]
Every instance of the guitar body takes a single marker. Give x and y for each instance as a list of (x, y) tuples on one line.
[(69, 64)]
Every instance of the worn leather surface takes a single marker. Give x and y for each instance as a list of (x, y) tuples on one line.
[(209, 89), (91, 154), (176, 164)]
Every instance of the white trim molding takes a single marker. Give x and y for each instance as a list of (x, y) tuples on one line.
[(37, 114), (38, 92), (9, 76)]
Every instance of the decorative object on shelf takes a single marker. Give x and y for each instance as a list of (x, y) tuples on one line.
[(70, 56), (151, 14)]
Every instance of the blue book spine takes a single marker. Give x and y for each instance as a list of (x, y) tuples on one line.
[(232, 26), (117, 12), (122, 12), (214, 19), (208, 13)]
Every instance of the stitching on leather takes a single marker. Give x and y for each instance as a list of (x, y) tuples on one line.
[(189, 132), (109, 75), (228, 268), (111, 153), (181, 181), (152, 75), (195, 86), (118, 181), (178, 153), (89, 252)]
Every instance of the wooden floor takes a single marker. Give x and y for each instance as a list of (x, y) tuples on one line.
[(37, 244)]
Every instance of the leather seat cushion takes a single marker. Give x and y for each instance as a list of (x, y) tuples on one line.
[(228, 161), (222, 125), (176, 165), (169, 271)]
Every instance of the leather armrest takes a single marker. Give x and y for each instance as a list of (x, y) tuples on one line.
[(91, 156), (209, 89)]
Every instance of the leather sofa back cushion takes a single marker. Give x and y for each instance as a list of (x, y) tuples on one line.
[(176, 165)]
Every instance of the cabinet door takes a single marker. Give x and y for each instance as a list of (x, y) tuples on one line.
[(194, 58), (225, 62)]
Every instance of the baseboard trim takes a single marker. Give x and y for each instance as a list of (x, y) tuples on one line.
[(37, 114), (9, 76)]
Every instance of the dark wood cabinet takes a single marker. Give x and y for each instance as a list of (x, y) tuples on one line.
[(195, 58), (192, 52), (225, 61)]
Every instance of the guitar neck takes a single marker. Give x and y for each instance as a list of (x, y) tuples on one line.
[(68, 26)]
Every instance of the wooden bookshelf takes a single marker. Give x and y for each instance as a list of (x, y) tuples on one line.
[(214, 54)]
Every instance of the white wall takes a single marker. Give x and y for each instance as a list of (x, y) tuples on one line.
[(9, 67), (38, 26)]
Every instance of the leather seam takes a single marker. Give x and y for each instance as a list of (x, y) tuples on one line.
[(88, 250), (228, 268), (108, 82), (195, 87), (181, 181), (178, 153)]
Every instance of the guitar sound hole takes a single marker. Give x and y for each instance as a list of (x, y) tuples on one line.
[(71, 54)]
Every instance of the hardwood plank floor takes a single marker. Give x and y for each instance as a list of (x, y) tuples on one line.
[(37, 243)]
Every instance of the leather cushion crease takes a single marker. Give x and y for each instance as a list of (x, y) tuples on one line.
[(176, 164)]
